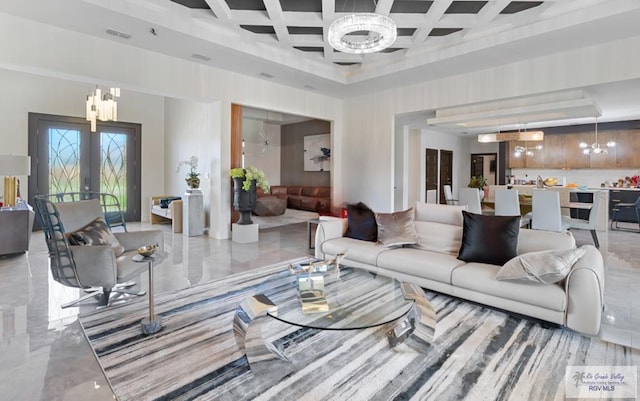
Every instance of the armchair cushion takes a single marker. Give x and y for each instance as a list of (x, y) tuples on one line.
[(96, 233)]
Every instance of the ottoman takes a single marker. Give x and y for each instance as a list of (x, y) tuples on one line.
[(270, 206)]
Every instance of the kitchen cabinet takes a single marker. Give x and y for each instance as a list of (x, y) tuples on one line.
[(623, 196), (563, 151), (626, 149), (534, 161)]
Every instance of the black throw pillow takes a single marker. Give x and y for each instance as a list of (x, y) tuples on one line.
[(361, 223), (489, 239)]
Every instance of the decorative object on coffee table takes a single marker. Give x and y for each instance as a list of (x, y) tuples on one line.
[(245, 181)]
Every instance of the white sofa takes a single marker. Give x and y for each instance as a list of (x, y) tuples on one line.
[(575, 302)]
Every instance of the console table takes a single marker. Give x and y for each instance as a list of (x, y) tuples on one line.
[(16, 224)]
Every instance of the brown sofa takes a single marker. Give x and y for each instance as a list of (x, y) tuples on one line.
[(314, 199)]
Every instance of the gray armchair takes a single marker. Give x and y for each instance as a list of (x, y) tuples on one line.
[(97, 268)]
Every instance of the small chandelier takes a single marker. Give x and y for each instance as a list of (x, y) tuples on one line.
[(518, 151), (103, 107), (382, 32), (596, 147)]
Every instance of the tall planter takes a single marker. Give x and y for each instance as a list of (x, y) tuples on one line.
[(244, 201)]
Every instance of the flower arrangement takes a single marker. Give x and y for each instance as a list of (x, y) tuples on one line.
[(192, 177), (477, 182), (250, 173)]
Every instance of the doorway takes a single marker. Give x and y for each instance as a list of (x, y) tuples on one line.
[(67, 157), (431, 171), (484, 164), (446, 173)]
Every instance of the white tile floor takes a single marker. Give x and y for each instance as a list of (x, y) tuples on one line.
[(45, 356)]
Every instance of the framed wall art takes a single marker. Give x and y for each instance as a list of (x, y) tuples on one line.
[(317, 152)]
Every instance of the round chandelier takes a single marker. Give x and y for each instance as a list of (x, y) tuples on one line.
[(380, 30)]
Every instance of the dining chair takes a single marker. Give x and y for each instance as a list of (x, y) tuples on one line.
[(619, 207), (448, 195), (569, 223), (432, 195), (471, 198), (507, 203), (545, 210)]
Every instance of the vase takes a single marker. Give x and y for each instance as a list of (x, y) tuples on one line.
[(193, 182), (244, 201)]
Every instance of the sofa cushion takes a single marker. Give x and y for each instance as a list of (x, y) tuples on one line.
[(361, 223), (438, 237), (420, 263), (480, 277), (323, 192), (309, 191), (539, 240), (545, 267), (397, 228), (360, 251), (444, 214), (96, 233), (308, 203), (489, 239)]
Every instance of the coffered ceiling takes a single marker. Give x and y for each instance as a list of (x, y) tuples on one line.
[(284, 41)]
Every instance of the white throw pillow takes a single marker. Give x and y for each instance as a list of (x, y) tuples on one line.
[(541, 267)]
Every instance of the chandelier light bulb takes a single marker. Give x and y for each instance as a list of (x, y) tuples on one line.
[(611, 144), (583, 145)]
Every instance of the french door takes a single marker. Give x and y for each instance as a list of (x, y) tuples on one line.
[(67, 157)]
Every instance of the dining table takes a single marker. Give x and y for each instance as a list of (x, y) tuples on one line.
[(488, 204)]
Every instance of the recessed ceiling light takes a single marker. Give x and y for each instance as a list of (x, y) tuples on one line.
[(119, 34), (201, 57), (265, 75)]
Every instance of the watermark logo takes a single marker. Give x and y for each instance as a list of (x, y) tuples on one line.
[(601, 382)]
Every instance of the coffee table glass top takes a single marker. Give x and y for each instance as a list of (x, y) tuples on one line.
[(357, 299)]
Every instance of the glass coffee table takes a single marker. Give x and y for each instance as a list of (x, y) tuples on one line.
[(354, 299)]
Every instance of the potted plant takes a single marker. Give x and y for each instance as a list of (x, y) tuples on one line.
[(479, 182), (245, 181), (192, 177)]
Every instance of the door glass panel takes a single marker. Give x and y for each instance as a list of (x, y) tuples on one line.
[(113, 165), (64, 160)]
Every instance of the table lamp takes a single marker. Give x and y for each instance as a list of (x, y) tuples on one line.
[(10, 166)]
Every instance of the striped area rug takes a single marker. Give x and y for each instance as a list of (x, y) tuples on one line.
[(479, 353)]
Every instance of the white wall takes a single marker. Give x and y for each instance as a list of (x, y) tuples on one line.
[(255, 154), (23, 93), (188, 128), (55, 52)]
